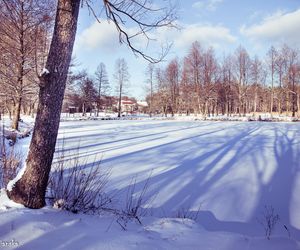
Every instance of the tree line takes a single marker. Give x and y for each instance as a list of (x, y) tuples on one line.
[(201, 83)]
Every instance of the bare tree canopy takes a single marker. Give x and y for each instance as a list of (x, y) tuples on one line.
[(24, 27), (121, 76)]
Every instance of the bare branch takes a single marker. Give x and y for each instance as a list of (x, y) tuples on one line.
[(143, 15)]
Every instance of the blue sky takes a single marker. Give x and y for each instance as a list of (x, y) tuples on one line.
[(221, 24)]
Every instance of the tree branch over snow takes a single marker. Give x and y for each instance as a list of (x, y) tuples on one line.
[(141, 14)]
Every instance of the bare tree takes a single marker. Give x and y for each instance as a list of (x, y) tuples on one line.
[(292, 58), (88, 94), (194, 67), (280, 68), (172, 79), (272, 54), (150, 81), (162, 97), (242, 64), (186, 89), (225, 91), (102, 84), (122, 79), (210, 68), (73, 95), (257, 76)]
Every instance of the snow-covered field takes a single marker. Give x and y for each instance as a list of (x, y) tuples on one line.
[(232, 172)]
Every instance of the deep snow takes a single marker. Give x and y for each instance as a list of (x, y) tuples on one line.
[(230, 170)]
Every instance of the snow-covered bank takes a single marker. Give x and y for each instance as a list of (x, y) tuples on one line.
[(53, 229), (15, 148), (25, 129)]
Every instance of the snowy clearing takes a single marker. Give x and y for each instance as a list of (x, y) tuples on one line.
[(232, 171)]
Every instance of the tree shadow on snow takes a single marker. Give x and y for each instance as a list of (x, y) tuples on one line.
[(231, 173)]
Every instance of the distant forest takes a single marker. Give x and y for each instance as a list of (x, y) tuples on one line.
[(201, 83)]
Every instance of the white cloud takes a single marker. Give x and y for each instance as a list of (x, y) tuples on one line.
[(104, 35), (208, 35), (98, 35), (280, 27), (210, 5)]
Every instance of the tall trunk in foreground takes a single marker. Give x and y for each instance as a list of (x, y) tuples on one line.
[(30, 189)]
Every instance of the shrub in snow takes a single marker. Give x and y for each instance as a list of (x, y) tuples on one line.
[(10, 162), (268, 220), (135, 204), (77, 186)]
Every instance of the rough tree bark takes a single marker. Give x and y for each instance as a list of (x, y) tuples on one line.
[(30, 189)]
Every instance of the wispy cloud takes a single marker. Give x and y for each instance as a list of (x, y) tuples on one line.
[(104, 35), (280, 27), (210, 5), (208, 35), (98, 35)]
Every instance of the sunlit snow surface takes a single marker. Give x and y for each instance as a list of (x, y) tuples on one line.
[(231, 170), (228, 170)]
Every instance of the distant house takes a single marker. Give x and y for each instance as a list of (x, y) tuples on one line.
[(142, 106), (128, 105), (73, 109)]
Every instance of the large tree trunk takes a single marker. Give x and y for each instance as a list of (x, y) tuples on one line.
[(30, 189)]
